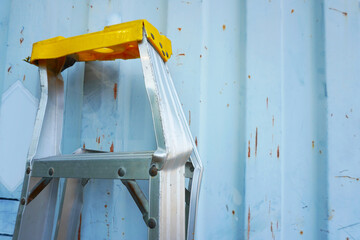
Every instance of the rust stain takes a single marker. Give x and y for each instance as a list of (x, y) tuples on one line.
[(9, 69), (105, 206), (200, 56), (84, 145), (353, 178), (278, 151), (98, 140), (21, 40), (256, 142), (272, 231), (337, 10), (224, 27), (91, 6), (181, 54), (189, 117), (22, 30), (227, 105), (179, 29), (248, 230), (313, 144), (292, 10), (112, 147), (196, 143), (24, 78), (301, 232), (249, 149), (79, 230), (249, 76), (267, 103), (115, 90), (233, 212)]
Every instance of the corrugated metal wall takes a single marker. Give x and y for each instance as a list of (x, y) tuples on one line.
[(271, 90)]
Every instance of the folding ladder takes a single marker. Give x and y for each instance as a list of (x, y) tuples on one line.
[(53, 185)]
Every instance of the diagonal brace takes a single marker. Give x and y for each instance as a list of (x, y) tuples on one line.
[(36, 190), (139, 197)]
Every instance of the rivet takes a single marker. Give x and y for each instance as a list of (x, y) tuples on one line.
[(51, 171), (151, 223), (22, 201), (160, 44), (121, 172), (153, 171), (28, 170), (152, 36)]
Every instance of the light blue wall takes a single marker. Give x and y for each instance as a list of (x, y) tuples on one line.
[(271, 91)]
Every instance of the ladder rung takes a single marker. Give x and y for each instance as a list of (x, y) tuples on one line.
[(99, 165)]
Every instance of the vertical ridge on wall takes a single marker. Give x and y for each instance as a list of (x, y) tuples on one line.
[(305, 122), (222, 104)]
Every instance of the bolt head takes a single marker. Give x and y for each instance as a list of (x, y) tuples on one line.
[(121, 172), (153, 171), (28, 170), (22, 201), (151, 223), (51, 171)]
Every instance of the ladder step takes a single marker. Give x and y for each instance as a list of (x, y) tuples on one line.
[(100, 165)]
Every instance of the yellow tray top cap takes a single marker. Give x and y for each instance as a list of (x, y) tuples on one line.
[(114, 42)]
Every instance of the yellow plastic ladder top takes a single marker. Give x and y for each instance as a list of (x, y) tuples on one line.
[(114, 42)]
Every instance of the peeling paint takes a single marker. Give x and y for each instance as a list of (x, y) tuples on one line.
[(115, 91), (337, 10), (353, 178), (267, 103), (256, 141), (112, 148)]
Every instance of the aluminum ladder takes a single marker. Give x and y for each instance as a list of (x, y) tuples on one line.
[(52, 193)]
